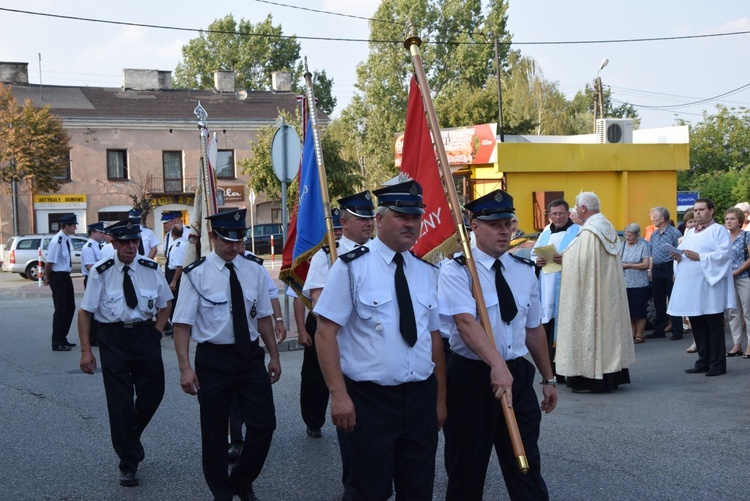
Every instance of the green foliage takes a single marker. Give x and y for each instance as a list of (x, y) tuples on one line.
[(342, 174), (721, 142), (252, 51), (33, 145)]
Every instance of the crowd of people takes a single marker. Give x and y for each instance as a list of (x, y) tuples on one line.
[(452, 362)]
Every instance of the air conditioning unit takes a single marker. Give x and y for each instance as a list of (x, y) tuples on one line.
[(614, 130)]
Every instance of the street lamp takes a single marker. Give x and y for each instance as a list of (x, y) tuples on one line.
[(599, 93)]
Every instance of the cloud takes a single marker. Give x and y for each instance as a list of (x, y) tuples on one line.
[(135, 47)]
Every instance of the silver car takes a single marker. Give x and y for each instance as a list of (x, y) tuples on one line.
[(21, 254)]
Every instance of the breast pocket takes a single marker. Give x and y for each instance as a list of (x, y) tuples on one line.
[(427, 304), (214, 308), (251, 303), (376, 307), (112, 305), (148, 301)]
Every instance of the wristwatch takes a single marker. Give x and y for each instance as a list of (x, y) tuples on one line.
[(279, 319), (552, 382)]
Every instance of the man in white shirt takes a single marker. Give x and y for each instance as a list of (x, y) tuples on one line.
[(57, 270)]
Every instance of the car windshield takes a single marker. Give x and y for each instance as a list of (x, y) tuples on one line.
[(9, 243)]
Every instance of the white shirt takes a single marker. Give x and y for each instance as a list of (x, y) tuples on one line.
[(105, 298), (176, 255), (455, 294), (273, 291), (320, 263), (108, 251), (168, 240), (370, 343), (205, 298), (58, 252), (90, 254), (148, 239), (704, 287)]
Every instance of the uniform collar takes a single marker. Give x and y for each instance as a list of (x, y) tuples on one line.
[(486, 260), (120, 265), (385, 252), (219, 262)]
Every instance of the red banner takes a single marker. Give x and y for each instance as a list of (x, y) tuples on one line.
[(420, 163)]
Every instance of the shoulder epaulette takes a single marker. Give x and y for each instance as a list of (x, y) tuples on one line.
[(59, 239), (254, 259), (523, 260), (88, 244), (148, 263), (178, 243), (105, 266), (354, 254), (327, 248), (461, 260), (420, 259), (193, 265)]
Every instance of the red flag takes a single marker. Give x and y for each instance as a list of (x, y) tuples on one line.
[(420, 163)]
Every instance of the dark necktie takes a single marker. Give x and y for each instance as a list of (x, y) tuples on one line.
[(127, 286), (406, 322), (508, 308), (166, 247), (101, 245), (140, 248), (70, 255), (239, 315)]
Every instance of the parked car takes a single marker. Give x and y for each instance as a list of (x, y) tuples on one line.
[(21, 255), (263, 234)]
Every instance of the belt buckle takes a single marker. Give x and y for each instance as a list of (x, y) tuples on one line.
[(127, 325)]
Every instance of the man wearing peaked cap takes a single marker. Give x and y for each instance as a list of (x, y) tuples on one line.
[(168, 220), (388, 407), (355, 221), (123, 295), (225, 306), (91, 252), (476, 423), (57, 270)]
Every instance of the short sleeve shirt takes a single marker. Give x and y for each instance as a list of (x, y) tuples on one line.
[(633, 255), (58, 252)]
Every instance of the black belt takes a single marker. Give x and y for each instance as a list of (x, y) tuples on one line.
[(66, 272), (130, 325), (663, 264), (511, 364)]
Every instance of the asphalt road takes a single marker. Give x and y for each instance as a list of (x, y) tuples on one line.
[(667, 436)]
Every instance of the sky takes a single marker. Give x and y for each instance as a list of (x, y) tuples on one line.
[(658, 76)]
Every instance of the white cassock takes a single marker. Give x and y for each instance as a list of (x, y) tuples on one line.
[(593, 331)]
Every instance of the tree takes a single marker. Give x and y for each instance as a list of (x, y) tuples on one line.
[(721, 141), (34, 147), (342, 175), (253, 52)]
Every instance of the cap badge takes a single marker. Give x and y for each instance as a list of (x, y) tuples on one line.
[(413, 190), (498, 197), (129, 225), (367, 196)]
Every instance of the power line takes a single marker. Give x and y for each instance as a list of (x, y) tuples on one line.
[(367, 40), (340, 14), (693, 103)]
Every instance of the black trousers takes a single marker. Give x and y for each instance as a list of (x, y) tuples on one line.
[(169, 275), (661, 289), (132, 367), (708, 331), (223, 374), (549, 330), (63, 297), (313, 392), (475, 424), (394, 441)]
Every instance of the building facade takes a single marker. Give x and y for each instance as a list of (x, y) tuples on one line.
[(142, 139)]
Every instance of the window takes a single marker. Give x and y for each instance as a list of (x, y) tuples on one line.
[(64, 172), (117, 164), (112, 216), (28, 244), (172, 171), (225, 164)]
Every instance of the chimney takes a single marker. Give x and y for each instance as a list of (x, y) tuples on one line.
[(133, 79), (224, 81), (14, 73), (281, 81)]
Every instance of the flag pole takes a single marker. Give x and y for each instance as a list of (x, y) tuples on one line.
[(330, 237), (412, 45)]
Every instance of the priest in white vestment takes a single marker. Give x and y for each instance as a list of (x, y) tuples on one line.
[(594, 340), (560, 233), (704, 288)]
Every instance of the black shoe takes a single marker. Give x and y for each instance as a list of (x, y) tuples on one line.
[(68, 343), (675, 337), (248, 496), (655, 335), (61, 347), (235, 451), (695, 370), (314, 432), (128, 479), (715, 372)]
